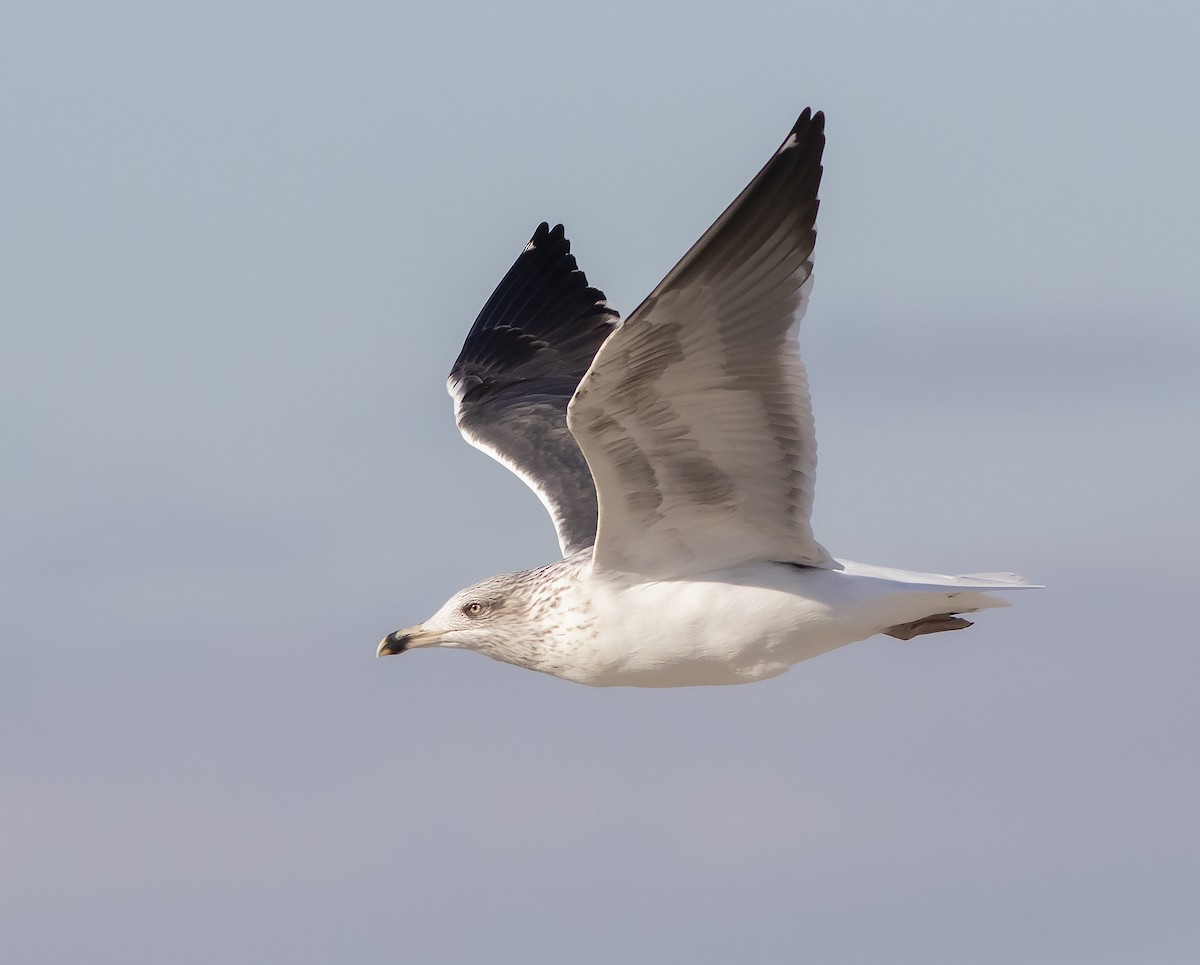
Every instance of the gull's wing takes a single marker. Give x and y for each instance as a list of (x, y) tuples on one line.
[(522, 360), (695, 416)]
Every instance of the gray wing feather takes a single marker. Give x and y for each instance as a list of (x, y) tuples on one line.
[(522, 360), (695, 416)]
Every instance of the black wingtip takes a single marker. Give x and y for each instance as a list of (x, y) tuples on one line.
[(809, 129), (546, 237), (543, 231), (782, 194), (809, 117), (544, 304)]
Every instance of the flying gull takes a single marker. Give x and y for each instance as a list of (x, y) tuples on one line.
[(675, 453)]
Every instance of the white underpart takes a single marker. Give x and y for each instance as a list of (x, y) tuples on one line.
[(750, 622)]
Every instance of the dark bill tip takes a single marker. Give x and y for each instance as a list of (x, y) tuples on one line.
[(393, 643)]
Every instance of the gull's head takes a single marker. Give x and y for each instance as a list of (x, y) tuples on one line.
[(490, 617)]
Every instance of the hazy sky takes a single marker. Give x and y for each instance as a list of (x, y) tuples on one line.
[(240, 245)]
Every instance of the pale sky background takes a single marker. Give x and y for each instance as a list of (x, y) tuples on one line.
[(241, 245)]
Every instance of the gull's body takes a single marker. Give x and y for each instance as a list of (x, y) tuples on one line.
[(674, 635), (731, 626), (676, 455)]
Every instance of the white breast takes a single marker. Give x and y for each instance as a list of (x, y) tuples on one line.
[(733, 626)]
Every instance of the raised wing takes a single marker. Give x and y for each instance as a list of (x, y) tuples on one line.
[(695, 416), (518, 368)]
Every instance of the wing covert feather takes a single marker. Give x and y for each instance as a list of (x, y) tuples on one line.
[(695, 415)]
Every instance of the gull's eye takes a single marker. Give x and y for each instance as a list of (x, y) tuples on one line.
[(473, 609)]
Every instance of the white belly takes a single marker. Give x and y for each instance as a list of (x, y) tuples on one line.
[(751, 622)]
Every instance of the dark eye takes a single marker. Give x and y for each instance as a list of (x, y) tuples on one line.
[(473, 609)]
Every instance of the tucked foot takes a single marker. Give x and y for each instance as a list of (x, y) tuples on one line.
[(934, 624)]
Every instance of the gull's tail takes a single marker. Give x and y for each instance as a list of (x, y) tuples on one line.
[(912, 604)]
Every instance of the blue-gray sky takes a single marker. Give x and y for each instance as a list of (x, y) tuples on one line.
[(241, 244)]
